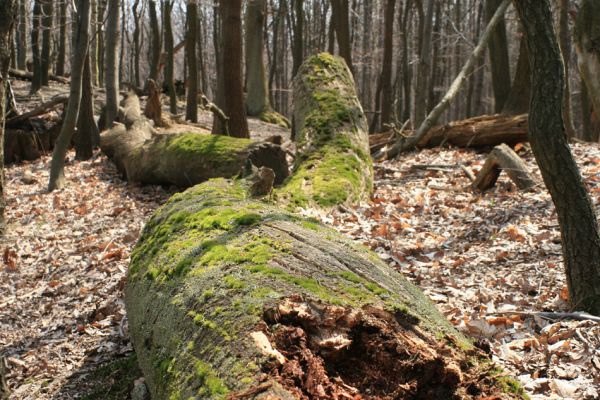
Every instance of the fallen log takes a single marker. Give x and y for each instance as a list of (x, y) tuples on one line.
[(503, 158), (21, 120), (26, 75), (333, 165), (482, 131), (231, 297), (181, 159)]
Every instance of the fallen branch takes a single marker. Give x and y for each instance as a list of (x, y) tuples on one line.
[(220, 114), (577, 316), (482, 131), (442, 106), (28, 76), (43, 108)]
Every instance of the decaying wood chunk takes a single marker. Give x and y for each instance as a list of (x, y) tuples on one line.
[(503, 158)]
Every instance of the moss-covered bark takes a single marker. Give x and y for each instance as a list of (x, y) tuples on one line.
[(232, 297), (330, 129), (182, 159), (213, 266)]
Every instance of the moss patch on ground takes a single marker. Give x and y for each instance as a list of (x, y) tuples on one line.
[(273, 117)]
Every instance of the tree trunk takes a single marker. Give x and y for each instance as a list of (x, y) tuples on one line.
[(298, 29), (182, 159), (579, 226), (170, 61), (8, 18), (191, 37), (499, 60), (340, 14), (231, 297), (587, 45), (155, 43), (22, 35), (564, 40), (111, 62), (423, 71), (87, 135), (62, 39), (386, 69), (36, 82), (136, 42), (233, 86), (57, 166), (257, 97), (47, 19), (520, 93)]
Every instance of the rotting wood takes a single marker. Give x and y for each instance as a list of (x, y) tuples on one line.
[(22, 119), (228, 295), (182, 159), (26, 75), (503, 158), (482, 131)]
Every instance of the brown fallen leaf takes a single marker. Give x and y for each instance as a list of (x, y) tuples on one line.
[(10, 259)]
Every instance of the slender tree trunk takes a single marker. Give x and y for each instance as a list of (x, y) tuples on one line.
[(170, 64), (62, 39), (298, 29), (36, 81), (47, 19), (520, 94), (8, 19), (424, 66), (386, 69), (340, 14), (22, 35), (191, 110), (233, 86), (576, 217), (136, 43), (564, 40), (87, 131), (155, 43), (100, 60), (498, 57), (590, 123), (365, 87), (57, 175), (257, 100), (406, 68), (587, 44), (111, 74)]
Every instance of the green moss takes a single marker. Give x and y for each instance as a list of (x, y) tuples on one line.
[(273, 117), (508, 384), (221, 148), (234, 283), (211, 385)]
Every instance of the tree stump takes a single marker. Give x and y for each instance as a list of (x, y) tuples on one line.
[(504, 158)]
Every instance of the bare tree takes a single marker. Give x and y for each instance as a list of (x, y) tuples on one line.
[(111, 74), (576, 217), (257, 99), (57, 167), (191, 110)]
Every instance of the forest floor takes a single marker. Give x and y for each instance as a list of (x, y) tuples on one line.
[(489, 261)]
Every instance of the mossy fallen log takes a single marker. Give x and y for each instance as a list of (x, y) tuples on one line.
[(182, 159), (228, 295), (232, 297), (330, 129)]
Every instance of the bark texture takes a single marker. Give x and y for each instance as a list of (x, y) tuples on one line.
[(181, 159), (587, 45), (331, 136), (8, 15), (579, 226), (257, 98), (223, 289), (111, 72)]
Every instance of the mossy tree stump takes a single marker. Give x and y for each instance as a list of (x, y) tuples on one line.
[(231, 297)]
